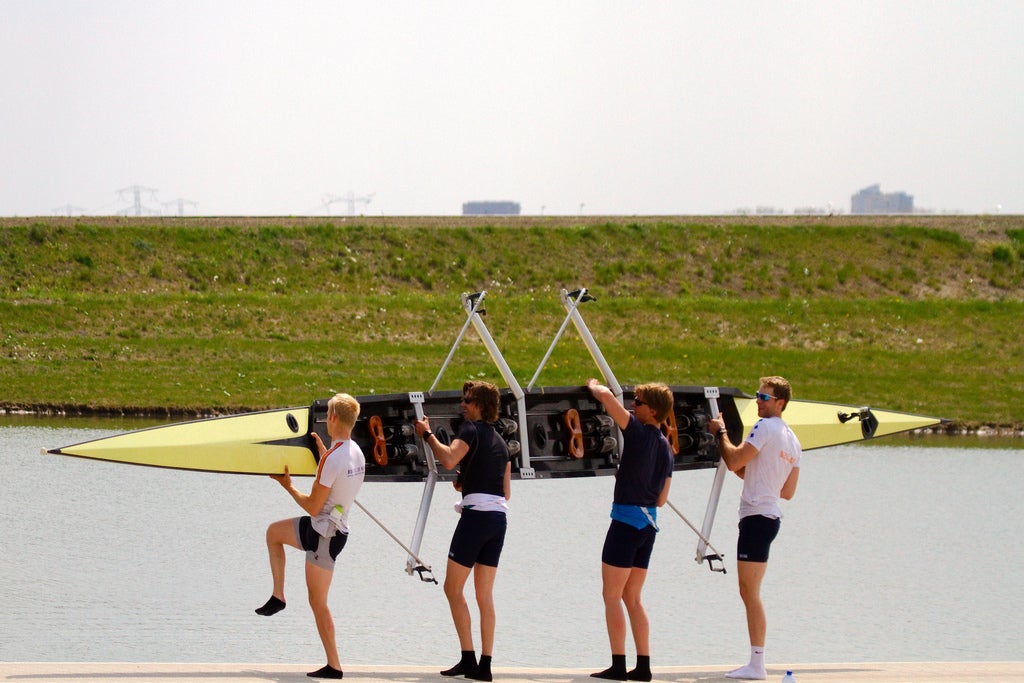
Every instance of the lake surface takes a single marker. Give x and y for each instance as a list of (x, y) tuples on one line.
[(887, 553)]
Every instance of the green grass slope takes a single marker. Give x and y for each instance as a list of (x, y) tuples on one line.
[(187, 316)]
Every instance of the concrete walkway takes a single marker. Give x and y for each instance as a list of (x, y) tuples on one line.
[(870, 672)]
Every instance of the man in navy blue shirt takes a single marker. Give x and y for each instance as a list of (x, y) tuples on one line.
[(641, 487)]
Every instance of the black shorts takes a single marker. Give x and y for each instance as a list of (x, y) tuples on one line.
[(756, 535), (625, 546), (478, 538), (319, 550)]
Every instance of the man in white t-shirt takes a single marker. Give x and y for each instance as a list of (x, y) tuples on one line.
[(768, 461), (324, 532)]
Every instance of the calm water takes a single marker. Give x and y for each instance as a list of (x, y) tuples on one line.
[(886, 553)]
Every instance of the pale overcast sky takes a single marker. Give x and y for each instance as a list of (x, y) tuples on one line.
[(261, 107)]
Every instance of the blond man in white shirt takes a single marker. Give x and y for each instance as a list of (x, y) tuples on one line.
[(324, 531)]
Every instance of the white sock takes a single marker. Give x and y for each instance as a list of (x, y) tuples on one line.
[(757, 657), (754, 670)]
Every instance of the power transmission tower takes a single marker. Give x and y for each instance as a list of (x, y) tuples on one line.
[(180, 203), (137, 209), (351, 199), (68, 210)]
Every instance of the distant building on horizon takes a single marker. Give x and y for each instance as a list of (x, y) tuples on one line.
[(490, 208), (872, 200)]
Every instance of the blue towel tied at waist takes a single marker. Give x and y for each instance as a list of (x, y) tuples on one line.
[(635, 515)]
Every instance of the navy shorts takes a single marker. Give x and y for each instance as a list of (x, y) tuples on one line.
[(626, 546), (756, 535), (319, 550), (479, 538)]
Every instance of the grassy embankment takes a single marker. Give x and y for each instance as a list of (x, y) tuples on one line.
[(196, 316)]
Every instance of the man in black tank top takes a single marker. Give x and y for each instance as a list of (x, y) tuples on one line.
[(485, 481)]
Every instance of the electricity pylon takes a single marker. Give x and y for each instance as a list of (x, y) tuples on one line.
[(351, 199), (180, 203), (137, 209), (68, 210)]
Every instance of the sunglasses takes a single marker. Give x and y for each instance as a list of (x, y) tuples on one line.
[(466, 400), (639, 402), (764, 397)]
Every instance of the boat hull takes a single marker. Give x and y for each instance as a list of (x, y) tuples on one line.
[(818, 425), (564, 433)]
